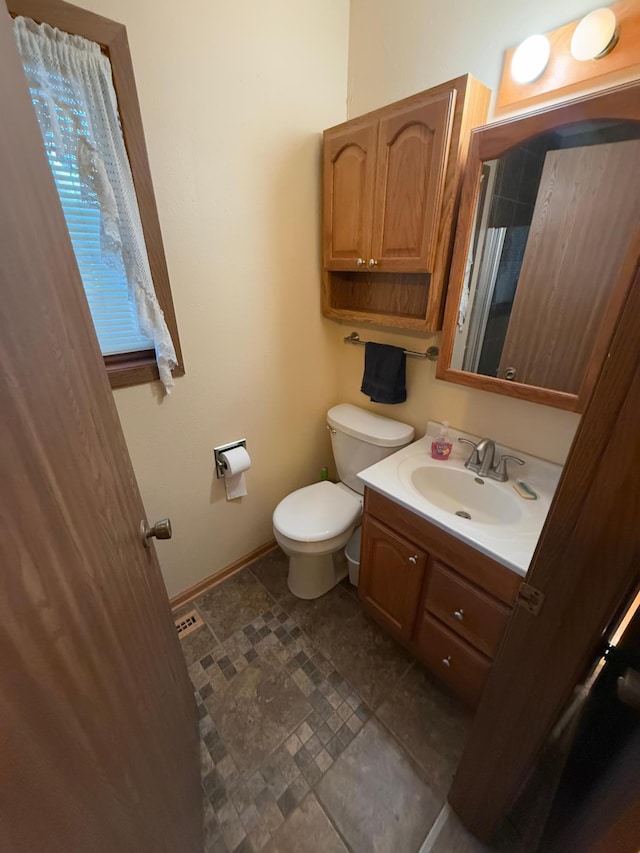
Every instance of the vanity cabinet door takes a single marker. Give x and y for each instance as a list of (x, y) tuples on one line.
[(391, 575), (349, 175), (413, 147)]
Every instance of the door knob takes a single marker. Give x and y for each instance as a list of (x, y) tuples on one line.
[(372, 263), (361, 262), (161, 530)]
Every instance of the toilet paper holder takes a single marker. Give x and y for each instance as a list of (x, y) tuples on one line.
[(221, 465)]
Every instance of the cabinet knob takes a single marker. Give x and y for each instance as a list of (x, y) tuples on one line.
[(413, 559), (361, 262), (372, 263), (459, 614), (447, 661)]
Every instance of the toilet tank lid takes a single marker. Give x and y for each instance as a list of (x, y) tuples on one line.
[(371, 428)]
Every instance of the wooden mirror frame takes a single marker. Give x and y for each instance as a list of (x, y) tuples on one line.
[(489, 143)]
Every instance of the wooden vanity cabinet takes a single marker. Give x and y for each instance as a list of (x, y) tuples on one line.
[(391, 184), (446, 602)]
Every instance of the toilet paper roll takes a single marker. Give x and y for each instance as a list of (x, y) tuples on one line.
[(237, 461)]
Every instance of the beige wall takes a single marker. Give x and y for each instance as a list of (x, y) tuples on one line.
[(233, 96), (397, 49)]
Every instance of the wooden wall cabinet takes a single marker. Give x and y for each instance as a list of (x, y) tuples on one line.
[(446, 602), (391, 187)]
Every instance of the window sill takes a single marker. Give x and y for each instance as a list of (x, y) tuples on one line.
[(134, 369)]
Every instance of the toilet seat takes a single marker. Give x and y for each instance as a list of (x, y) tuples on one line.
[(317, 513)]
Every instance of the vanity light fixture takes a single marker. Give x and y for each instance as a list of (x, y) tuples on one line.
[(600, 49), (595, 36), (530, 59)]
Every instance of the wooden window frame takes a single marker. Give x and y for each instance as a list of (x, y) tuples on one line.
[(133, 368)]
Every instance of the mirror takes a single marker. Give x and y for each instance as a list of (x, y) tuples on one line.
[(547, 241)]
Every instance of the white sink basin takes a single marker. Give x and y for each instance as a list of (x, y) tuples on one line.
[(502, 524), (463, 493)]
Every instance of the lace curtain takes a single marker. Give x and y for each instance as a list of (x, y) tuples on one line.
[(78, 114)]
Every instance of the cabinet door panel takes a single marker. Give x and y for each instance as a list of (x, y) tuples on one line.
[(413, 147), (349, 174), (391, 574)]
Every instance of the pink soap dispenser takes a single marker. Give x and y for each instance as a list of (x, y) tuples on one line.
[(441, 445)]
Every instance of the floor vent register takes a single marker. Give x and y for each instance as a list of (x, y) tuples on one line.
[(188, 622)]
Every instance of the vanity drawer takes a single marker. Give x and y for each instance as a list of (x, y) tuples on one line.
[(465, 609), (452, 660)]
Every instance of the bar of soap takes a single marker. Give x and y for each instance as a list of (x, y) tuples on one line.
[(525, 491)]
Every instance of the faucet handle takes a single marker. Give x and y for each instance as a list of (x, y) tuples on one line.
[(501, 468), (474, 459)]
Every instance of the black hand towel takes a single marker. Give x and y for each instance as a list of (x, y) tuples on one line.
[(384, 377)]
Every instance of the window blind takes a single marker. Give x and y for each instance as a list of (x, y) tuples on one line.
[(104, 278)]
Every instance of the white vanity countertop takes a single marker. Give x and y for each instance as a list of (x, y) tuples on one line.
[(511, 542)]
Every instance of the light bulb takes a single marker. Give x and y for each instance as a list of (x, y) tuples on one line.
[(595, 35), (530, 59)]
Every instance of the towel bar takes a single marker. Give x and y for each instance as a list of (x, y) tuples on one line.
[(432, 353)]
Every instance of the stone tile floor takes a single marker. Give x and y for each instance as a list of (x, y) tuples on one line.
[(318, 732)]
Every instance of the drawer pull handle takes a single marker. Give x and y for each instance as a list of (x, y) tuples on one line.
[(459, 614), (447, 661), (413, 559)]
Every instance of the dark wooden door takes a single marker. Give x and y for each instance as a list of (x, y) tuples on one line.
[(391, 574), (98, 733), (348, 183), (413, 147), (586, 214)]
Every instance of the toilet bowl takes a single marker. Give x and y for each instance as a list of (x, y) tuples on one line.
[(313, 524)]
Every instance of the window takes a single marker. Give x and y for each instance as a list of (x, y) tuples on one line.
[(105, 283), (98, 159)]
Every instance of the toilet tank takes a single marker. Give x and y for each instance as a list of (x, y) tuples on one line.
[(360, 439)]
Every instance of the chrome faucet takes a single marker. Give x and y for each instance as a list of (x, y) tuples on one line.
[(486, 450), (482, 458)]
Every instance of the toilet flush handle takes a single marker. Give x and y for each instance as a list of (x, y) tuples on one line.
[(331, 430)]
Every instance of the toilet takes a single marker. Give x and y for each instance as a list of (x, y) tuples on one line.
[(313, 524)]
